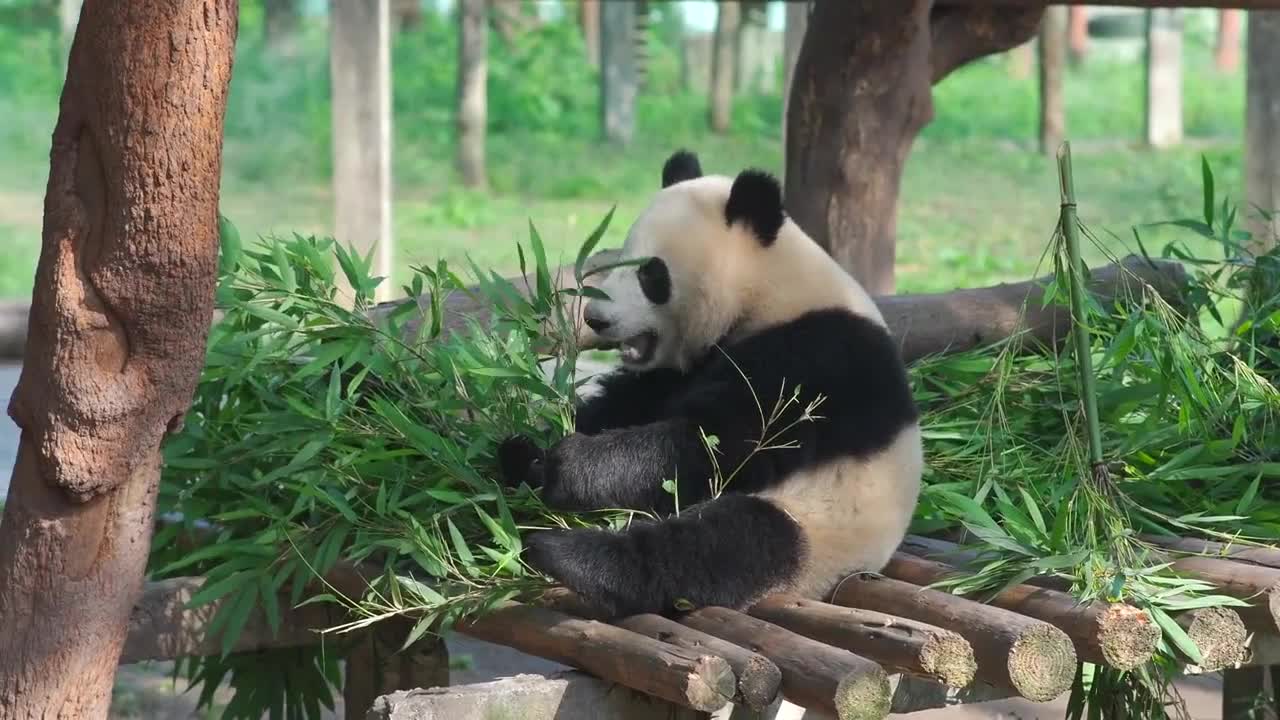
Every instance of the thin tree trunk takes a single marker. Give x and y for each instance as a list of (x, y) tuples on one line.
[(473, 71), (1078, 22), (589, 18), (360, 71), (618, 70), (120, 317), (1226, 53), (1053, 68), (723, 59), (280, 23), (1262, 127), (797, 19), (1164, 77)]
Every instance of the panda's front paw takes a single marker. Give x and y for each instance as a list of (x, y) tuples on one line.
[(520, 460)]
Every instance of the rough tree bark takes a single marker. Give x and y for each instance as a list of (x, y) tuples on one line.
[(473, 71), (360, 72), (1226, 51), (280, 23), (1164, 77), (119, 321), (723, 59), (589, 19), (1053, 70), (618, 72), (858, 100), (797, 20)]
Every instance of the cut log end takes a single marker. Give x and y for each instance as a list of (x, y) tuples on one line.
[(864, 695), (1219, 633), (949, 659), (758, 682), (1127, 636), (1042, 663), (712, 686)]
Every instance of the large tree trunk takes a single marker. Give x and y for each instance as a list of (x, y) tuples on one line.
[(618, 70), (1164, 77), (589, 19), (797, 20), (1053, 70), (473, 70), (1262, 126), (360, 71), (280, 23), (1226, 52), (120, 316), (858, 99), (724, 57)]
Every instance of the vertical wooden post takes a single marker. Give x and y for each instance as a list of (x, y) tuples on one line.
[(797, 21), (1262, 126), (376, 666), (1078, 22), (119, 322), (618, 70), (1226, 52), (473, 72), (1164, 77), (589, 19), (360, 71), (1053, 62), (723, 60)]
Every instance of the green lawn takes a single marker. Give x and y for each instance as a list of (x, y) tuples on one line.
[(977, 207)]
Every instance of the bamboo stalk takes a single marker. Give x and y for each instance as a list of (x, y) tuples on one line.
[(816, 676), (1114, 634), (1034, 658), (897, 643)]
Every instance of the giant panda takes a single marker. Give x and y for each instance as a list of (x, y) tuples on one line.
[(728, 312)]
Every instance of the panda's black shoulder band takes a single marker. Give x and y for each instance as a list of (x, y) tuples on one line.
[(682, 165), (756, 199)]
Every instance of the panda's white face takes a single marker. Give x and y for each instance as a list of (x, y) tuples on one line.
[(667, 310)]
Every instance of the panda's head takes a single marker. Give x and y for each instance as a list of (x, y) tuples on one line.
[(716, 259)]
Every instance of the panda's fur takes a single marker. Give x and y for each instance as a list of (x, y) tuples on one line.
[(731, 290)]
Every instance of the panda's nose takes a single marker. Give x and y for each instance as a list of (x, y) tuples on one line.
[(596, 324), (594, 321)]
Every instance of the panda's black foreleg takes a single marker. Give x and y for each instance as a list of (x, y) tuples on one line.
[(626, 399), (728, 552)]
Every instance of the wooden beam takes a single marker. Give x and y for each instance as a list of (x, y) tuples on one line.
[(1115, 634), (1031, 656), (360, 72)]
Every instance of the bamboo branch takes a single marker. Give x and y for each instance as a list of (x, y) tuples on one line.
[(690, 678), (819, 677), (897, 643), (1114, 634), (759, 679), (1030, 656)]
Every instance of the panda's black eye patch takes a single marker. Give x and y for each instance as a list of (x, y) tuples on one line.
[(655, 281)]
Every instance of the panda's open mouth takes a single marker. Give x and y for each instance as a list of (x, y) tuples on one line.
[(639, 349)]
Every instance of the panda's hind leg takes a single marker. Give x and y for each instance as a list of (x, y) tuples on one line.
[(728, 551)]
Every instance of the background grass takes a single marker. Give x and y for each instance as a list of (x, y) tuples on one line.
[(977, 207)]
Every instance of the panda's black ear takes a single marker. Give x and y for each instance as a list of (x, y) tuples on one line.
[(756, 199), (682, 165)]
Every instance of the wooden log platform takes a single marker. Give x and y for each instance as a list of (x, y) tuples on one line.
[(1031, 656), (1114, 634)]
